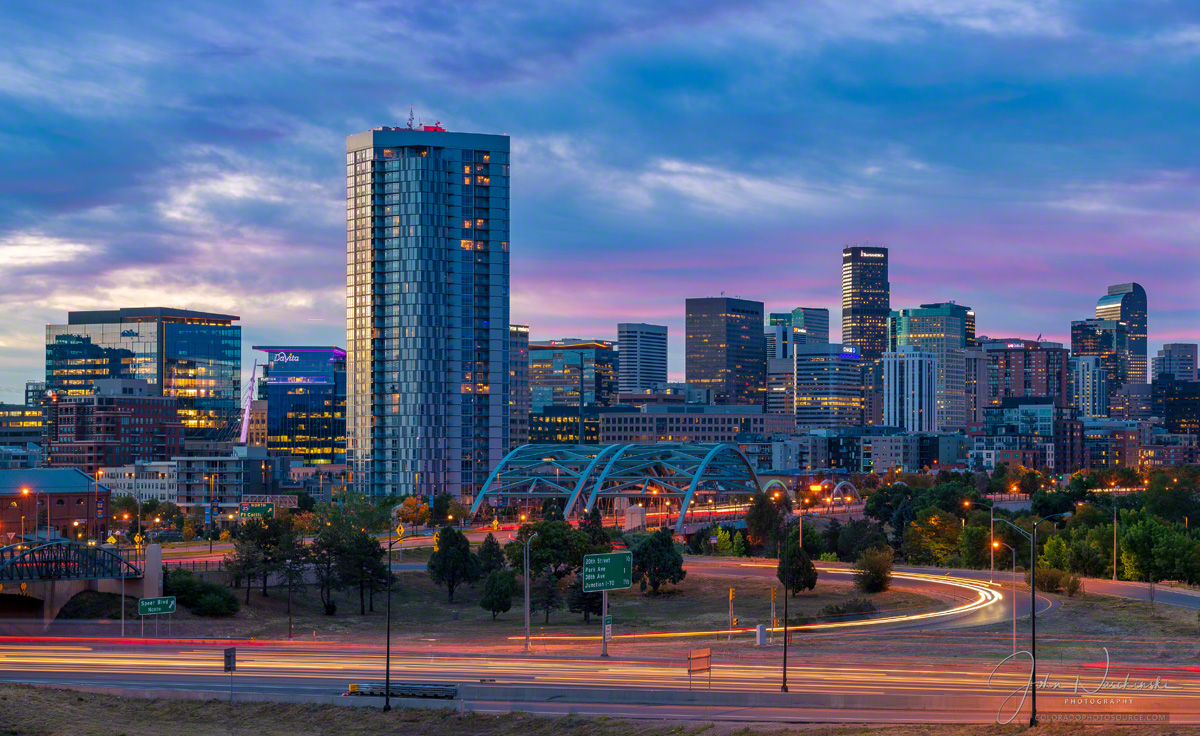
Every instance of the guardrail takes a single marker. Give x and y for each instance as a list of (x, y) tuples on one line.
[(196, 565)]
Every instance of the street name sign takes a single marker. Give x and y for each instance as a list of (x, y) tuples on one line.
[(610, 571), (156, 606), (608, 627)]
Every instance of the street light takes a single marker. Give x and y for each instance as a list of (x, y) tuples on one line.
[(991, 507), (1032, 537), (387, 675), (1109, 507), (783, 688), (527, 573), (1014, 591)]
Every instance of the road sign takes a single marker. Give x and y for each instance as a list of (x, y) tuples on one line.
[(111, 539), (610, 571), (156, 606), (712, 540), (231, 659), (399, 530), (255, 510), (699, 661), (608, 627)]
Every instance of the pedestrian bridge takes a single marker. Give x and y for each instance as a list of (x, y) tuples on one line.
[(63, 560), (584, 474)]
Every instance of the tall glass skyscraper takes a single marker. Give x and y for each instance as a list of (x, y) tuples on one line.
[(427, 219), (726, 350), (945, 329), (866, 299), (1127, 303), (1109, 339), (305, 391), (193, 356)]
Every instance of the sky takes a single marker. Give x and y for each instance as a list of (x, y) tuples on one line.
[(1016, 156)]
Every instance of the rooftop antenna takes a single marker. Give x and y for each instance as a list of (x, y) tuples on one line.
[(410, 117)]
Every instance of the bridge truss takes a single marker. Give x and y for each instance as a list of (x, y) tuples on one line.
[(62, 560)]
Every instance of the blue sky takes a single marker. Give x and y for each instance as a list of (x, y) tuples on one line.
[(1015, 156)]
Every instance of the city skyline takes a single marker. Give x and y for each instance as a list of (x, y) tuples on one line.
[(631, 196)]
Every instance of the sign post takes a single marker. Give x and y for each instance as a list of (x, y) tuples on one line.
[(602, 573), (230, 666), (154, 607), (699, 661)]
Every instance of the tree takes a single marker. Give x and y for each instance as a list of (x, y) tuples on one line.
[(581, 602), (498, 592), (189, 529), (360, 564), (1055, 554), (932, 539), (592, 525), (881, 504), (458, 512), (739, 544), (973, 547), (323, 554), (552, 510), (724, 542), (764, 518), (544, 594), (800, 573), (901, 518), (244, 563), (558, 545), (857, 535), (656, 561), (440, 508), (412, 512), (873, 570), (453, 563), (293, 566), (1030, 482), (491, 557)]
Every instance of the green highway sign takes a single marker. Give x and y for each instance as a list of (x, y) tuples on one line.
[(256, 510), (611, 571), (156, 606)]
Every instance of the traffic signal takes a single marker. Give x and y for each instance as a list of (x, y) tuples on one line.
[(772, 595), (774, 623), (735, 621), (731, 594)]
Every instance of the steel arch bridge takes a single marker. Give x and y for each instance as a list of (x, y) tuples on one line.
[(839, 489), (586, 473), (62, 560)]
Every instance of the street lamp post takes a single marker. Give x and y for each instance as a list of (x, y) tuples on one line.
[(783, 688), (1032, 537), (527, 574), (1014, 590), (991, 507), (211, 517), (387, 672), (1113, 508)]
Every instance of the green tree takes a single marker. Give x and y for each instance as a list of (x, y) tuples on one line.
[(739, 544), (857, 535), (244, 563), (453, 563), (557, 545), (491, 557), (440, 508), (901, 518), (932, 539), (873, 570), (544, 593), (189, 529), (800, 573), (592, 525), (764, 518), (1055, 553), (724, 542), (581, 602), (881, 504), (323, 555), (973, 547), (656, 561), (498, 591)]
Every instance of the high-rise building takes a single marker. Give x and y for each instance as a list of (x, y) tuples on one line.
[(35, 391), (554, 372), (1108, 339), (1178, 403), (1177, 359), (195, 357), (1127, 303), (305, 390), (780, 339), (910, 389), (520, 398), (1132, 402), (866, 299), (975, 383), (1089, 386), (829, 390), (725, 349), (427, 240), (813, 322), (1020, 369), (781, 386), (947, 330), (643, 350)]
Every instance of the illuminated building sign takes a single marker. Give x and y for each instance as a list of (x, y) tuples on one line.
[(286, 358)]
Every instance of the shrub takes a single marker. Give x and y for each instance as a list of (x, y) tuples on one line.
[(201, 597), (851, 608), (1049, 580), (1073, 585), (829, 557), (873, 570), (217, 601)]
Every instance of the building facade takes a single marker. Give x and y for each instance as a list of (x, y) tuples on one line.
[(781, 386), (866, 299), (660, 423), (20, 423), (1089, 386), (726, 350), (1177, 359), (643, 356), (520, 399), (829, 391), (560, 369), (195, 357), (1107, 339), (946, 330), (305, 390), (53, 502), (1018, 369), (813, 322), (1126, 303), (427, 306), (35, 392), (157, 481), (1178, 404), (910, 390)]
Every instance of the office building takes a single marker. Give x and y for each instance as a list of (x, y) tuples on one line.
[(305, 390), (946, 330), (35, 392), (20, 457), (145, 481), (194, 357), (1177, 403), (1033, 432), (643, 356), (1089, 386), (520, 397), (829, 391), (657, 423), (975, 383), (1177, 359), (554, 372), (427, 243), (256, 425), (1109, 443), (910, 389), (1132, 402), (121, 422), (1018, 369), (1109, 340), (781, 386), (20, 423), (218, 482), (813, 322), (1126, 303), (726, 350), (779, 341), (866, 300)]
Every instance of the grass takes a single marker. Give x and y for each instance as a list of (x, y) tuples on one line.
[(30, 711)]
